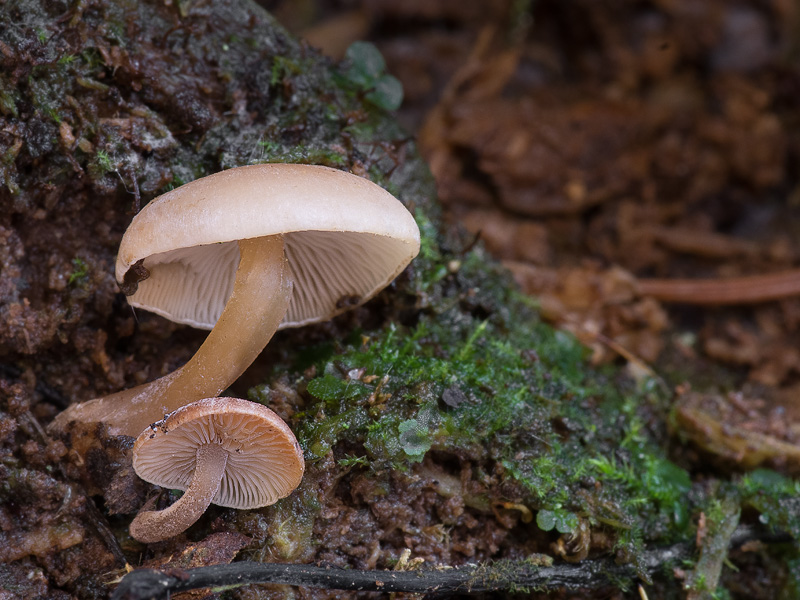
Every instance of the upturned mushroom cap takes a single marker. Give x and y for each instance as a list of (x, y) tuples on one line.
[(264, 461), (345, 238)]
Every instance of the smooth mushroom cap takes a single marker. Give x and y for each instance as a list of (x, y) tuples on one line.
[(264, 461), (345, 239), (245, 252)]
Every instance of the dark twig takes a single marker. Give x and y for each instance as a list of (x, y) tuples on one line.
[(148, 584)]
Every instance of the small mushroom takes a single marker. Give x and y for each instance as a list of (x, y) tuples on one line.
[(228, 451), (245, 252)]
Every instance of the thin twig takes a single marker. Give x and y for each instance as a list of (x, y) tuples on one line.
[(148, 584)]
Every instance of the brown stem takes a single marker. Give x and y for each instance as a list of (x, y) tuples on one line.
[(261, 294), (155, 525), (751, 289)]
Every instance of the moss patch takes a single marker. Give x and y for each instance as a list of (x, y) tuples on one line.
[(470, 372)]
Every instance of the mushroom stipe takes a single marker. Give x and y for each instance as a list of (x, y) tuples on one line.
[(260, 296), (245, 252)]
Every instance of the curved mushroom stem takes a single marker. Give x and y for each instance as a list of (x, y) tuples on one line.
[(261, 294), (155, 525)]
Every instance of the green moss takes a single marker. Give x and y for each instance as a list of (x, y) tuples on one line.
[(80, 273), (284, 67), (477, 375), (791, 587), (92, 59), (648, 479), (8, 98), (351, 461), (561, 520), (414, 437), (332, 388), (101, 164), (67, 59), (364, 72), (775, 497)]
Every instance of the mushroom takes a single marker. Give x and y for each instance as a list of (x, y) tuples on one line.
[(228, 451), (245, 252)]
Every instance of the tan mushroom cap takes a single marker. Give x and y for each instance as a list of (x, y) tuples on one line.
[(264, 461), (345, 239)]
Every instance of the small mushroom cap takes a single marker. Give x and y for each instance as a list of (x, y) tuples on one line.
[(345, 239), (264, 464)]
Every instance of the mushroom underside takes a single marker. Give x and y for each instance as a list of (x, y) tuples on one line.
[(331, 271)]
